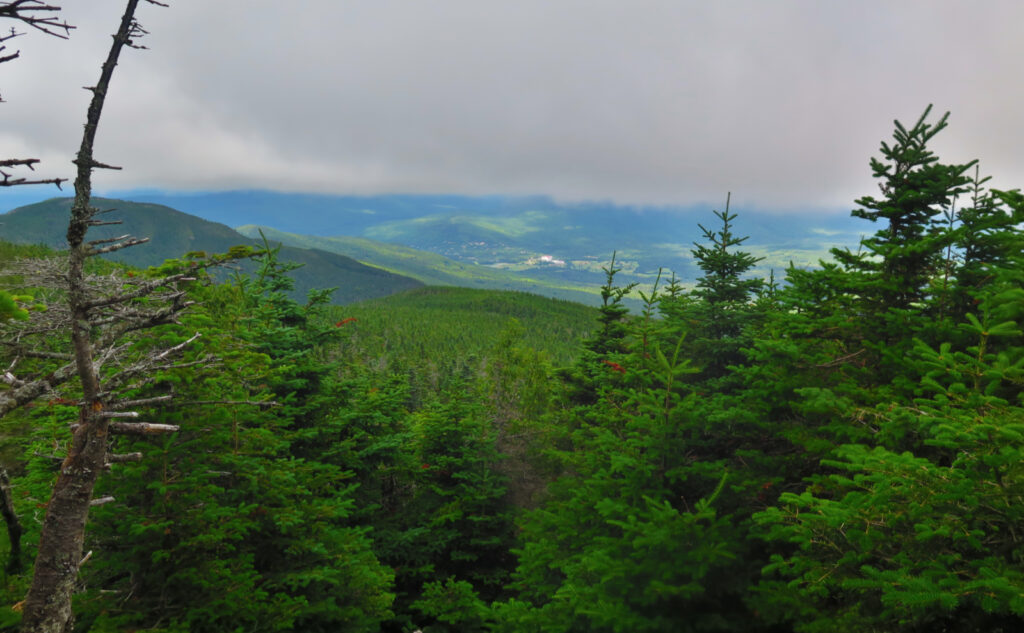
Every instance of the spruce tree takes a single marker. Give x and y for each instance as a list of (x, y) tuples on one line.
[(924, 539), (989, 235), (604, 349), (235, 522), (895, 268), (722, 288), (720, 307)]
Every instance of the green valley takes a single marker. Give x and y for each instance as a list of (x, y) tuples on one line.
[(433, 268)]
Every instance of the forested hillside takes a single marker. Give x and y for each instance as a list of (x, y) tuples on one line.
[(446, 322), (431, 268), (835, 449), (172, 234)]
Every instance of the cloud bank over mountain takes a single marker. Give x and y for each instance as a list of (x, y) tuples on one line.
[(655, 101)]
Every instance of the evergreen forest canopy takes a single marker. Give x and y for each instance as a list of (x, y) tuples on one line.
[(838, 450)]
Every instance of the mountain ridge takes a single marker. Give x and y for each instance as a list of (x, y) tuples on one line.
[(510, 230), (530, 243), (173, 233)]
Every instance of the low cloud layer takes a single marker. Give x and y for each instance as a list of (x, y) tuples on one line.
[(663, 102)]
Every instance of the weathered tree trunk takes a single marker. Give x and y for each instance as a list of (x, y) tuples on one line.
[(14, 528), (47, 607), (48, 604)]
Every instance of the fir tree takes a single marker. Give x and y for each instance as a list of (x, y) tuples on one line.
[(720, 307), (898, 263)]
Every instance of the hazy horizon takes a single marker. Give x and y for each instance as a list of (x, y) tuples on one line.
[(14, 197)]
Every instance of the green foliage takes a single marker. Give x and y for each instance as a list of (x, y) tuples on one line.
[(895, 272), (720, 309), (897, 541), (916, 188), (453, 606), (989, 236), (16, 304), (593, 372), (517, 391), (628, 538), (906, 524), (443, 513), (10, 306), (722, 288), (438, 337), (616, 548), (612, 329), (225, 525)]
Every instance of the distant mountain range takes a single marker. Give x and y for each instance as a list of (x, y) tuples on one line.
[(514, 233), (173, 233), (517, 243)]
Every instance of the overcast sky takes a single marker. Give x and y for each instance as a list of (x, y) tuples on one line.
[(636, 101)]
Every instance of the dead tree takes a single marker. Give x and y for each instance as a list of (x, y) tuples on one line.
[(101, 315), (85, 350)]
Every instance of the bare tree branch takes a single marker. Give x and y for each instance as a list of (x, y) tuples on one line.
[(7, 181), (19, 162), (141, 402), (119, 414), (43, 17), (141, 428), (27, 392), (248, 403), (143, 289), (133, 241), (124, 457), (109, 239), (38, 15), (34, 353)]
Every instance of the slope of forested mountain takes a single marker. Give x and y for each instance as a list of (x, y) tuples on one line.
[(451, 322), (172, 233), (434, 269)]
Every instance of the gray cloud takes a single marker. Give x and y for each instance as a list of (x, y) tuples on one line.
[(643, 101)]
